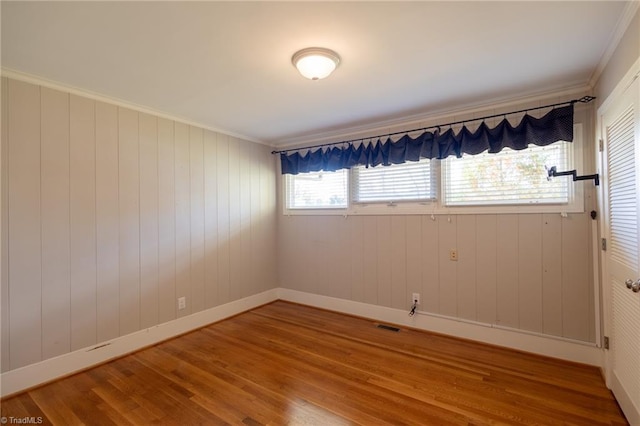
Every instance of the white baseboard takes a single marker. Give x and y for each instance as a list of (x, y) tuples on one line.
[(23, 378), (20, 379), (629, 408), (575, 351)]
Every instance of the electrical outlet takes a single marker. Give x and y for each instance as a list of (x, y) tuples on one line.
[(415, 298), (453, 254), (182, 303)]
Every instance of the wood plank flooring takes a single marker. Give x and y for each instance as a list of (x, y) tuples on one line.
[(289, 364)]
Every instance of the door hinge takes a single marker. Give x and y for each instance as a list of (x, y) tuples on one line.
[(600, 145), (606, 342), (603, 244)]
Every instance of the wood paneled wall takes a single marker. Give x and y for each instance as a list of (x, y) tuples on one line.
[(530, 272), (109, 215)]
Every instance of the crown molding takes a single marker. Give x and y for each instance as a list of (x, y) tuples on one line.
[(41, 81), (621, 27), (623, 84)]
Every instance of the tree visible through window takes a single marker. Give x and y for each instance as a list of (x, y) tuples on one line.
[(509, 177)]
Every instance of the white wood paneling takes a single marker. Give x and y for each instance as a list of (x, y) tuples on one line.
[(210, 219), (552, 274), (235, 252), (255, 233), (83, 222), (430, 264), (413, 257), (267, 222), (340, 262), (183, 217), (356, 251), (399, 297), (507, 277), (109, 215), (25, 257), (466, 285), (196, 175), (317, 260), (304, 254), (244, 240), (286, 244), (511, 276), (223, 219), (56, 309), (166, 222), (129, 220), (107, 223), (487, 264), (149, 228), (304, 251), (370, 259), (448, 273), (4, 216), (576, 261), (324, 277), (530, 272), (509, 271), (383, 262)]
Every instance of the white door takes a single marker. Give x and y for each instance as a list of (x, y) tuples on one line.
[(620, 128)]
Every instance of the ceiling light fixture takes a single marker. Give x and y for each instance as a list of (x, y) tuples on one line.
[(315, 63)]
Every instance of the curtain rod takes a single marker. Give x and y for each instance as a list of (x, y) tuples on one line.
[(584, 100)]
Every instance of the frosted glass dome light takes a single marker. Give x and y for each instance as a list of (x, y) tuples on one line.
[(315, 63)]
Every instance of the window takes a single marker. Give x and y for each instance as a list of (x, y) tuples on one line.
[(317, 190), (507, 182), (412, 181), (507, 178)]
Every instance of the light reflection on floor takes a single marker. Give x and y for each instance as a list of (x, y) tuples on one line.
[(301, 412)]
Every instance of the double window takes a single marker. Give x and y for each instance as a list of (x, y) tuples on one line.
[(510, 181)]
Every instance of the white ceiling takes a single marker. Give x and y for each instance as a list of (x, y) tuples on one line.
[(227, 65)]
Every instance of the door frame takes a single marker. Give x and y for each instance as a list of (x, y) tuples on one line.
[(607, 321)]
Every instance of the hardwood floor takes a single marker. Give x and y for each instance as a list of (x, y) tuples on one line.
[(289, 364)]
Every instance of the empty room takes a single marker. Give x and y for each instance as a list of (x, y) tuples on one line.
[(320, 213)]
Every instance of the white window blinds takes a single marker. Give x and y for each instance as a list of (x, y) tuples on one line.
[(412, 181), (508, 178), (317, 190)]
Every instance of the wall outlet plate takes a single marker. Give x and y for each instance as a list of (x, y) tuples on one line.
[(453, 254), (415, 298), (182, 303)]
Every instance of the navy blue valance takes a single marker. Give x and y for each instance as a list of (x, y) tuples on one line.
[(554, 126)]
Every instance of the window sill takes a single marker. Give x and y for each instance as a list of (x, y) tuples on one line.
[(436, 209)]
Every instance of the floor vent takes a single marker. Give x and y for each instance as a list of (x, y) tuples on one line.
[(388, 327)]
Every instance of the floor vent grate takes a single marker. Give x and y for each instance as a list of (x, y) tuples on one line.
[(388, 327)]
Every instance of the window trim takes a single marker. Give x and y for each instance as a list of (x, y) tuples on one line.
[(286, 189), (396, 204), (436, 207), (576, 192)]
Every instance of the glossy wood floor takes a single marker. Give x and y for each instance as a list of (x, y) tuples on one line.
[(289, 364)]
